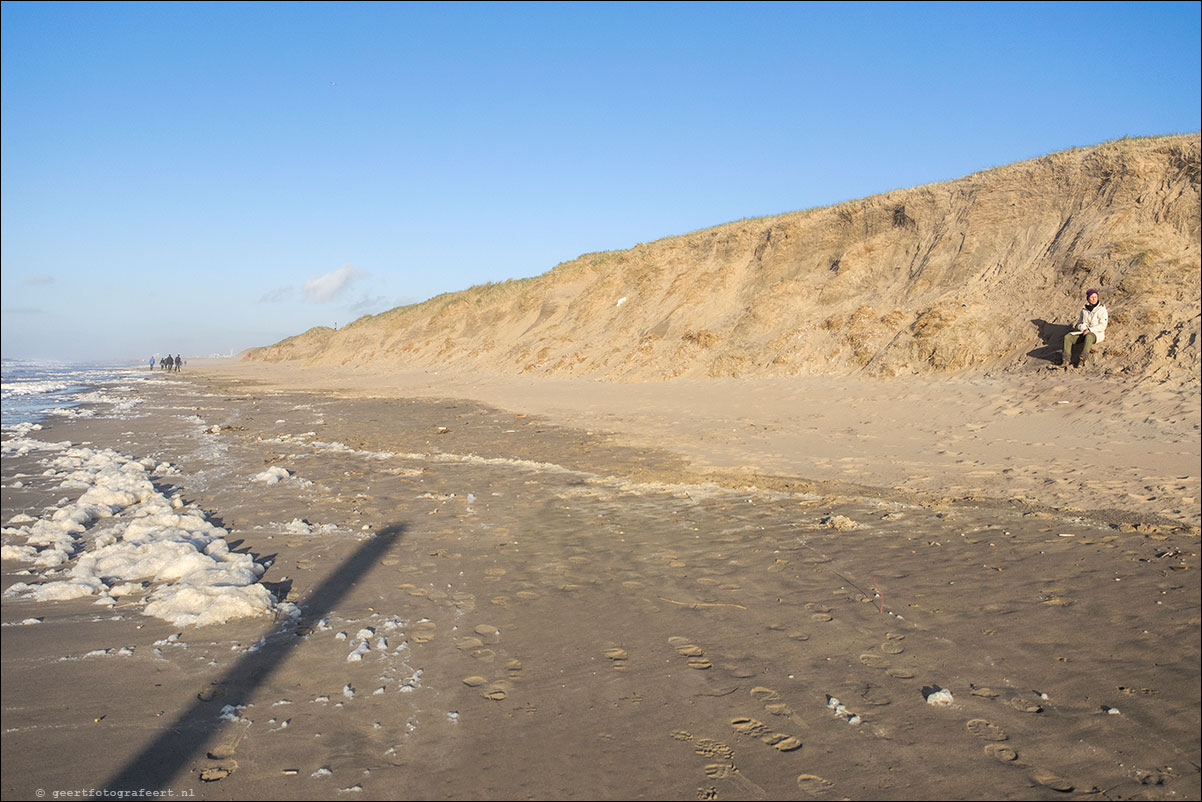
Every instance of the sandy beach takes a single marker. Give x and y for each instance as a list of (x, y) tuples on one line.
[(510, 588)]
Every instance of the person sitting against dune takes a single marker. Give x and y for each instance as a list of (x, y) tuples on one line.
[(1090, 330)]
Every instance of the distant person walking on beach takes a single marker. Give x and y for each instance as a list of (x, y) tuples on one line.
[(179, 363), (152, 363), (1090, 330)]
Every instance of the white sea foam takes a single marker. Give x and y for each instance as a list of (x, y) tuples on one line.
[(21, 445), (121, 536), (299, 526), (120, 406), (360, 650), (840, 710), (941, 698), (12, 389), (276, 474)]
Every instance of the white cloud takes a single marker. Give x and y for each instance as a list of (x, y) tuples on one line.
[(322, 289), (39, 279)]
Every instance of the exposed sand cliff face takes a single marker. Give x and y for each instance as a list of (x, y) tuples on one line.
[(980, 274)]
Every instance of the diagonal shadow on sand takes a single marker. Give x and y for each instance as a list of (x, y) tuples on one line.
[(162, 759)]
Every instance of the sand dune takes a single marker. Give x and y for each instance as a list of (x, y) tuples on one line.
[(980, 274)]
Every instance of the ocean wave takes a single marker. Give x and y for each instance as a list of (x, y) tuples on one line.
[(35, 389), (26, 388)]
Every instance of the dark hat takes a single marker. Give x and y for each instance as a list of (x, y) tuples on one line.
[(1091, 291)]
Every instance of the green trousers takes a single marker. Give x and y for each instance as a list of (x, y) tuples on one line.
[(1070, 340)]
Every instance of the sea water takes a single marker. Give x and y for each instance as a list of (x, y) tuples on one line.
[(33, 391)]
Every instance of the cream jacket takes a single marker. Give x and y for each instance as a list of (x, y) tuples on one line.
[(1094, 321)]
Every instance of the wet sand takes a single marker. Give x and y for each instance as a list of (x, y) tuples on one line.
[(561, 600)]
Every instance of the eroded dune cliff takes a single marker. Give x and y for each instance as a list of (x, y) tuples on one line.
[(979, 274)]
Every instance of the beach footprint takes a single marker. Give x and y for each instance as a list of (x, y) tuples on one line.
[(723, 766), (618, 657), (773, 704), (720, 771), (875, 660), (754, 728), (893, 645), (739, 668), (986, 730), (691, 652), (1001, 753), (780, 709), (819, 612), (495, 690), (764, 695), (487, 633), (813, 785), (1051, 780), (708, 747), (423, 631), (218, 771), (868, 693), (1025, 705), (469, 644)]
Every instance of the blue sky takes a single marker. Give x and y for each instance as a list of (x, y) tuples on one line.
[(197, 178)]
